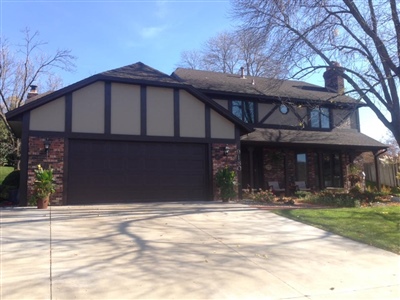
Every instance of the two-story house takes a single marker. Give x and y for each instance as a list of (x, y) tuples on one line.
[(137, 134), (302, 132)]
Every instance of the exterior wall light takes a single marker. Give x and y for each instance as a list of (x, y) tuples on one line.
[(47, 144), (226, 150)]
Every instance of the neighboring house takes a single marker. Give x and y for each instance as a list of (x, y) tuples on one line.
[(136, 134)]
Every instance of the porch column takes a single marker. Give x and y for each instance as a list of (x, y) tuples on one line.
[(320, 171), (286, 166), (251, 165)]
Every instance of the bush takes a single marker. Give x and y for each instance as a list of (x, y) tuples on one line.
[(12, 179), (224, 179), (354, 198), (9, 184), (263, 196), (302, 194)]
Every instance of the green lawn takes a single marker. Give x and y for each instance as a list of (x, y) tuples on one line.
[(4, 171), (376, 226)]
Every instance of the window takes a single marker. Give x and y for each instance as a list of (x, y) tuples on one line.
[(319, 118), (283, 109), (244, 110), (301, 167), (331, 169)]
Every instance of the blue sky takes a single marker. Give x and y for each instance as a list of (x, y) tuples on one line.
[(105, 35)]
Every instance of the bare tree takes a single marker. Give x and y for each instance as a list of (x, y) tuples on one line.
[(227, 52), (310, 35), (221, 54), (191, 59), (24, 65), (394, 149)]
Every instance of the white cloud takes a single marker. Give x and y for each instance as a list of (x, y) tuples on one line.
[(151, 32), (162, 10)]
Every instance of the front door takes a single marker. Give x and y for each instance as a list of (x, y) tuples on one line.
[(252, 167)]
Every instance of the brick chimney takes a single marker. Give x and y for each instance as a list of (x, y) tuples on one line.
[(33, 92), (334, 81)]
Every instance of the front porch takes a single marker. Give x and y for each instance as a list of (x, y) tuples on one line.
[(319, 168)]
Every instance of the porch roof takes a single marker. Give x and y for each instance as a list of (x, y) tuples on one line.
[(343, 138)]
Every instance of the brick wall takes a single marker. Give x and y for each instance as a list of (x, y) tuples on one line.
[(54, 159), (220, 160)]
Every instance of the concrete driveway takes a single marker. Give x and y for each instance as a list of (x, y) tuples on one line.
[(196, 250)]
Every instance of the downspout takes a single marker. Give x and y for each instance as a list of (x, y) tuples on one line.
[(376, 161)]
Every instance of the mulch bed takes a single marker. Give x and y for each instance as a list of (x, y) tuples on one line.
[(299, 204)]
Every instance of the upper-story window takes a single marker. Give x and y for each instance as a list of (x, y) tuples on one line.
[(320, 118), (244, 110)]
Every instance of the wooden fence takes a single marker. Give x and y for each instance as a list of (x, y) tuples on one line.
[(387, 173)]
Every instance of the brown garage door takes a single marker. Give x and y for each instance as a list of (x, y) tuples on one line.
[(114, 171)]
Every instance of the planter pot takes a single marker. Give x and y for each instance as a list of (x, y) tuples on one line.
[(43, 203)]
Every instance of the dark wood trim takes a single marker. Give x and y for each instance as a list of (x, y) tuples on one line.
[(65, 175), (143, 110), (251, 166), (208, 122), (107, 107), (133, 138), (23, 180), (176, 113), (255, 112), (68, 113)]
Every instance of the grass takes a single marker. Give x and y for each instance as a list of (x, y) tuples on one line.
[(376, 226), (4, 171)]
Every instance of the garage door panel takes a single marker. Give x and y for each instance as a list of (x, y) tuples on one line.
[(114, 171)]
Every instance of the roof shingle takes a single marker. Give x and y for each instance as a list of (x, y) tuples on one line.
[(336, 137), (257, 86)]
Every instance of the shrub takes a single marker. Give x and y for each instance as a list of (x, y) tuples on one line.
[(332, 199), (224, 179), (10, 183), (354, 198), (302, 194), (263, 196), (12, 179)]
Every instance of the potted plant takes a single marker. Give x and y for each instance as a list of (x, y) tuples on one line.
[(225, 182), (43, 186)]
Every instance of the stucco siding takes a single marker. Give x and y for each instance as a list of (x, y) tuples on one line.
[(263, 110), (49, 117), (125, 109), (221, 127), (223, 103), (88, 109), (160, 111), (344, 119), (277, 118), (192, 116)]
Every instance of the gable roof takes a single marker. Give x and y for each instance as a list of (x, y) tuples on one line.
[(137, 73), (223, 83), (337, 138), (140, 72)]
